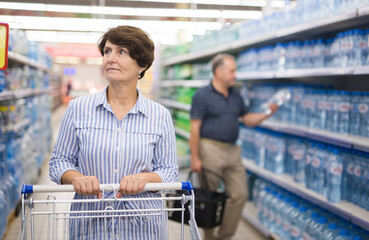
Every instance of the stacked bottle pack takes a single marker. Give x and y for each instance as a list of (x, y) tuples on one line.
[(293, 218), (318, 107), (334, 172), (349, 48)]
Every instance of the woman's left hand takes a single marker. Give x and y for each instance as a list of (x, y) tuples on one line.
[(132, 184)]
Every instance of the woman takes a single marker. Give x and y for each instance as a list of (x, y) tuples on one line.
[(117, 136)]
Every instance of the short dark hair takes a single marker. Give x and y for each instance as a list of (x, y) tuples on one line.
[(139, 44), (217, 61)]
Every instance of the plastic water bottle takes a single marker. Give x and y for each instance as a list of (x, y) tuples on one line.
[(346, 176), (364, 180), (355, 116), (290, 149), (356, 50), (299, 162), (310, 226), (260, 139), (300, 223), (344, 112), (278, 98), (279, 213), (294, 229), (332, 111), (321, 225), (335, 167), (357, 178), (331, 232), (286, 223), (310, 152), (321, 110), (364, 113), (272, 211), (275, 153), (318, 54)]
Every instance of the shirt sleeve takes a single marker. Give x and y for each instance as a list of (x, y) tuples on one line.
[(244, 108), (165, 155), (65, 151), (198, 106)]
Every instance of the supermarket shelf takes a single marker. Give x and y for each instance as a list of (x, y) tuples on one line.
[(249, 214), (17, 127), (9, 95), (22, 59), (347, 141), (182, 132), (344, 209), (310, 29), (174, 104), (314, 134), (184, 83), (360, 143), (311, 72)]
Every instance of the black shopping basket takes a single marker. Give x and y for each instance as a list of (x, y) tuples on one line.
[(209, 205)]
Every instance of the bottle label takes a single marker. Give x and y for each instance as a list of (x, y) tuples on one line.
[(344, 107), (328, 106), (336, 169), (291, 149), (298, 155), (363, 108), (297, 98), (271, 216), (295, 231), (286, 225), (272, 148), (316, 162), (278, 220), (350, 168), (357, 171), (305, 236), (321, 105), (308, 159)]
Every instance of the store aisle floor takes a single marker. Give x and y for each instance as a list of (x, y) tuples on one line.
[(245, 231)]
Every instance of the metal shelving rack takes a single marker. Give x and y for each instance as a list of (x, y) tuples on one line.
[(329, 25)]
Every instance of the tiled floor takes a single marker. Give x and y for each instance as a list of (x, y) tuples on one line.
[(244, 231)]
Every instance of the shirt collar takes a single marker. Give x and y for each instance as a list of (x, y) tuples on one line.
[(211, 86), (140, 106)]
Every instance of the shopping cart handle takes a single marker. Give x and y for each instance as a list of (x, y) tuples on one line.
[(27, 189)]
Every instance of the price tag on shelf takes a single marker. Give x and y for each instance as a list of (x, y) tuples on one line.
[(4, 40)]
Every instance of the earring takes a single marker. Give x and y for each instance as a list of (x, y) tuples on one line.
[(139, 74)]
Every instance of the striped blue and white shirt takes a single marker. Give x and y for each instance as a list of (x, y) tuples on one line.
[(94, 142)]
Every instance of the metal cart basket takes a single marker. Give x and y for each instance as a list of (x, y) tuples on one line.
[(105, 218)]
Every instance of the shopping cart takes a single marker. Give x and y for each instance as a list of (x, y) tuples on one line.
[(103, 218)]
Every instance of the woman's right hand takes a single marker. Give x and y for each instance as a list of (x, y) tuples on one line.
[(87, 185)]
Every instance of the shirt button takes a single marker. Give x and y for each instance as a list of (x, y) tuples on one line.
[(116, 171)]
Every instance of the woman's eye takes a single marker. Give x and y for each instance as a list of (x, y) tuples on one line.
[(106, 51), (122, 51)]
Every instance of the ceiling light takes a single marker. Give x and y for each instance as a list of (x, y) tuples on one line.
[(158, 12), (251, 3), (101, 25)]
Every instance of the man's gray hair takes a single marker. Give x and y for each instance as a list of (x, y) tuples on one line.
[(217, 61)]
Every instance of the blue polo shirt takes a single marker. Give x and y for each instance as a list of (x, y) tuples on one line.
[(219, 114)]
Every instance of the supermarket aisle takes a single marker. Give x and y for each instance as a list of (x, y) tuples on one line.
[(245, 231)]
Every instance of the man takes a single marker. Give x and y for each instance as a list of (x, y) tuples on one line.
[(215, 114)]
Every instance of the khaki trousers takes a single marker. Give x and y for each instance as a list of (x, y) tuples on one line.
[(225, 160)]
